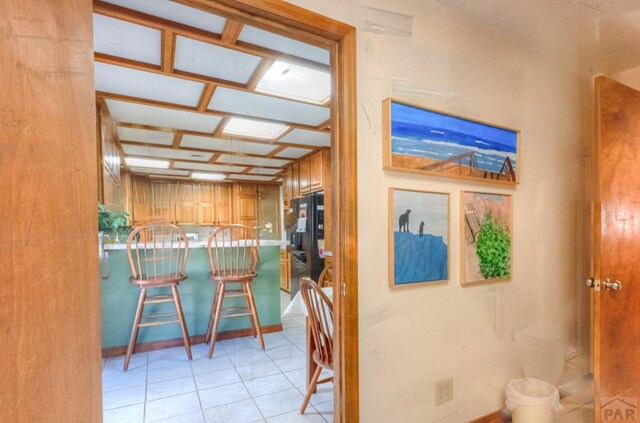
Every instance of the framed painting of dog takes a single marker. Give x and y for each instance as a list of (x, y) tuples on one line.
[(418, 237)]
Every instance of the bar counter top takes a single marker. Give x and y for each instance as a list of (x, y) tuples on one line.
[(202, 244)]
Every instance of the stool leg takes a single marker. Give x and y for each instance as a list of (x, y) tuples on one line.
[(183, 325), (254, 314), (136, 328), (253, 325), (216, 319), (213, 310)]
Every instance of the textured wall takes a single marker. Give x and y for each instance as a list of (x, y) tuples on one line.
[(411, 337)]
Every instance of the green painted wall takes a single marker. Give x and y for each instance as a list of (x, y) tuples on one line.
[(119, 298)]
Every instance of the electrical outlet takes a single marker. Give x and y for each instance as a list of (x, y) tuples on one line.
[(444, 391)]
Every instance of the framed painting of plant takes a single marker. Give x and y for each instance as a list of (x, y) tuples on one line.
[(420, 140), (487, 237), (418, 237)]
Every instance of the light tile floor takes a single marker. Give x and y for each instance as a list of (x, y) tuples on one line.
[(241, 384)]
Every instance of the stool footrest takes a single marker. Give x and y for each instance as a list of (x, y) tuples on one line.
[(227, 316), (155, 299), (159, 319)]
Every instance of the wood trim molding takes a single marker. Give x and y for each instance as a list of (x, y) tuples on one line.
[(177, 342), (231, 31), (496, 417)]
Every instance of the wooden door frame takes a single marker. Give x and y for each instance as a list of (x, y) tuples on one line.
[(295, 22)]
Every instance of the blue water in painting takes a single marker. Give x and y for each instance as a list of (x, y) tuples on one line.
[(419, 132), (419, 259)]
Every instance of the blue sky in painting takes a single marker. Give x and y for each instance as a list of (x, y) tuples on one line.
[(425, 133)]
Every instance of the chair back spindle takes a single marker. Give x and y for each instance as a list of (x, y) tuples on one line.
[(157, 252), (320, 311), (233, 251)]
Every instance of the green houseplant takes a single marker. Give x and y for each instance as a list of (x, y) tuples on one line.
[(111, 222), (493, 247)]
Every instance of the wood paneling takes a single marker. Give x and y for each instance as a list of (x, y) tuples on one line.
[(285, 271), (141, 200), (49, 301)]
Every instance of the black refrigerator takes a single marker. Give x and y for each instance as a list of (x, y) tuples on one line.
[(305, 228)]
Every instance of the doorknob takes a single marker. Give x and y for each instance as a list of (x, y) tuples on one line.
[(591, 282), (612, 285)]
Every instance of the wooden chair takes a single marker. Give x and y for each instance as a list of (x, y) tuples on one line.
[(158, 257), (320, 314), (234, 257), (326, 277)]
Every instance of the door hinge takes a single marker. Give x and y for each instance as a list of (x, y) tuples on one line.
[(344, 289)]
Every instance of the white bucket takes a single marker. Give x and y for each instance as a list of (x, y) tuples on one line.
[(532, 400)]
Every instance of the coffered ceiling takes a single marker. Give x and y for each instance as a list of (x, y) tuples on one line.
[(201, 93)]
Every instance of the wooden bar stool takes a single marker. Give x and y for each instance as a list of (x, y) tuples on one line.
[(234, 257), (158, 257), (320, 318)]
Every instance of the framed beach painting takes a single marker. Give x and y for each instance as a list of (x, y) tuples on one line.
[(418, 237), (487, 237), (421, 140)]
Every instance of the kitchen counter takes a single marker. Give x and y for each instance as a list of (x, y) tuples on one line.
[(202, 244), (119, 298)]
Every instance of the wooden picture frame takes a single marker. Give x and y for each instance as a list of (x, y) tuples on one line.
[(430, 238), (457, 147), (490, 213)]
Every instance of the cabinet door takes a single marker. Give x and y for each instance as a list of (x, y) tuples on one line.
[(206, 204), (287, 185), (269, 212), (247, 205), (284, 271), (163, 207), (141, 199), (295, 180), (186, 211), (315, 172), (223, 203), (305, 175)]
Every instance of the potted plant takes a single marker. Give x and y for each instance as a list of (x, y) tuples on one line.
[(110, 222)]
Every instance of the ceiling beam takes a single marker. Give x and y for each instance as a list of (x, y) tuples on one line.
[(177, 73), (209, 135), (177, 139), (155, 22), (325, 125), (204, 150), (168, 50), (259, 72), (138, 100), (205, 97), (231, 31), (218, 132), (278, 150)]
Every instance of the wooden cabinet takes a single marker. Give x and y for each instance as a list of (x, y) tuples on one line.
[(305, 175), (141, 200), (285, 272), (269, 211), (246, 210), (295, 180), (163, 202), (224, 204), (313, 172), (206, 204), (185, 203)]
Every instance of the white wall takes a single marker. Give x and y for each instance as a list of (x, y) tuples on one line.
[(412, 337)]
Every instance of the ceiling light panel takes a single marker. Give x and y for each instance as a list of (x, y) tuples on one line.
[(286, 45), (217, 62), (145, 136), (253, 128), (250, 177), (124, 39), (175, 12), (139, 162), (267, 107), (171, 172), (308, 137), (208, 167), (208, 176), (136, 83), (140, 114), (296, 82), (251, 161), (209, 143), (165, 153), (264, 171), (294, 153)]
